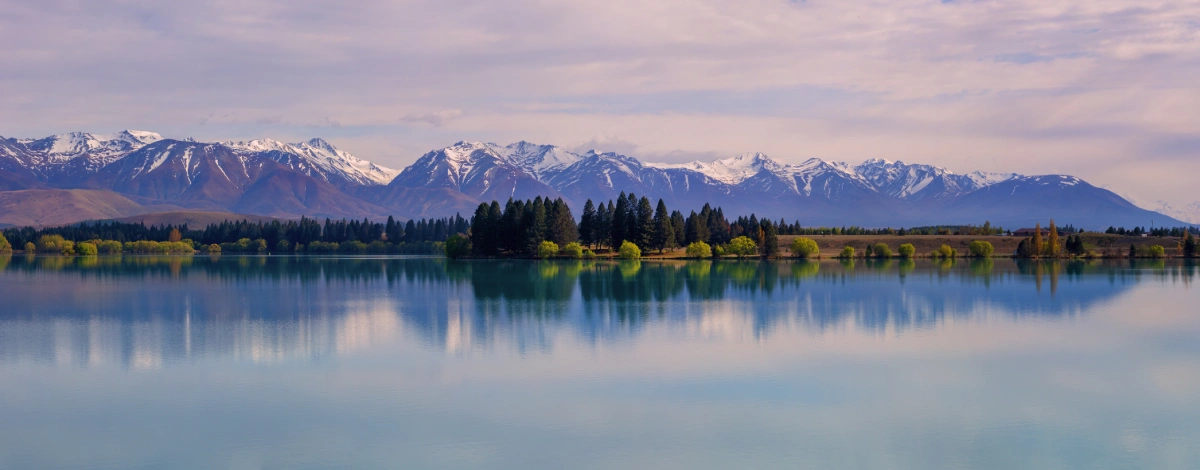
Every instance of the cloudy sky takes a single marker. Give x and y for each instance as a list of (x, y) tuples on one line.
[(1105, 90)]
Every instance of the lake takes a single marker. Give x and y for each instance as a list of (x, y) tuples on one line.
[(307, 363)]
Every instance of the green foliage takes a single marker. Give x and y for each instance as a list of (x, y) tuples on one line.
[(321, 247), (589, 254), (742, 247), (109, 247), (572, 250), (698, 250), (1189, 245), (457, 246), (718, 251), (30, 248), (981, 249), (353, 247), (380, 247), (805, 248), (213, 248), (547, 249), (945, 252), (629, 250), (1156, 251), (907, 251), (847, 252), (881, 250), (245, 245), (5, 246), (55, 244), (86, 249), (160, 248), (283, 246)]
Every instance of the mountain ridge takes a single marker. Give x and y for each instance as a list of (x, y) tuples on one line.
[(273, 178)]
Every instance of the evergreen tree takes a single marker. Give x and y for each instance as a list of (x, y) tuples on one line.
[(1189, 244), (645, 223), (770, 244), (587, 224), (664, 233), (562, 224), (482, 232), (620, 221), (679, 228)]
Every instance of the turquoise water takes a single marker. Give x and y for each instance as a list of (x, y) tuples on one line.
[(276, 362)]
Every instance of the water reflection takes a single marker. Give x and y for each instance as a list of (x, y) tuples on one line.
[(146, 312)]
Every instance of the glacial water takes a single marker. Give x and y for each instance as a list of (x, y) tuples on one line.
[(308, 363)]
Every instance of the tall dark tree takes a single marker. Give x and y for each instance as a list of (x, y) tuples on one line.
[(620, 221), (770, 243), (645, 223), (561, 224), (482, 232), (587, 224), (664, 233), (697, 228), (679, 228)]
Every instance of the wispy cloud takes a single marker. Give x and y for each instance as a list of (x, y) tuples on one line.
[(1089, 87)]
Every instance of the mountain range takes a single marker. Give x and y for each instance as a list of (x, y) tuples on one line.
[(102, 176)]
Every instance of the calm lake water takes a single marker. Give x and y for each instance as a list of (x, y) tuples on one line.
[(277, 362)]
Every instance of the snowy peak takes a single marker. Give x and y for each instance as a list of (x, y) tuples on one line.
[(97, 149), (539, 160), (730, 171), (318, 158)]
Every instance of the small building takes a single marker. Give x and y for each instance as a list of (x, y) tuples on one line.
[(1028, 232)]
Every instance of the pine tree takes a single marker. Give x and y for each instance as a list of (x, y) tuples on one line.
[(645, 223), (620, 220), (482, 231), (664, 233), (1189, 244), (562, 224), (770, 237), (587, 224), (679, 227)]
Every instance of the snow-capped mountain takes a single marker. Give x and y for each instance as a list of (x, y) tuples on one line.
[(270, 177), (319, 159)]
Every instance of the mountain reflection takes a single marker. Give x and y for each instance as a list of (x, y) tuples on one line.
[(144, 312)]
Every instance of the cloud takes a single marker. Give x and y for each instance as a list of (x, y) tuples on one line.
[(435, 119), (1023, 85)]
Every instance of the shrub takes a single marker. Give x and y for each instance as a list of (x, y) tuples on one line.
[(629, 251), (1157, 251), (55, 244), (742, 246), (881, 250), (698, 250), (847, 252), (547, 249), (589, 254), (805, 248), (572, 250), (322, 247), (353, 247), (30, 248), (213, 248), (907, 251), (109, 247), (283, 246), (86, 249), (945, 252), (380, 247), (981, 249), (5, 246), (718, 251), (457, 246)]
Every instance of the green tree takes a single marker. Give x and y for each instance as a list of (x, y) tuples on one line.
[(1038, 247), (86, 249), (742, 247), (645, 223), (947, 252), (572, 250), (561, 223), (458, 246), (847, 252), (698, 250), (805, 248), (587, 224), (1157, 251), (109, 247), (215, 248), (770, 239), (629, 250), (1053, 248), (664, 230), (30, 248), (55, 244), (5, 246), (981, 249), (1189, 244), (907, 251), (881, 250), (547, 249)]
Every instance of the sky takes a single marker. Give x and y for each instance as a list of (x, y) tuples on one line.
[(1104, 90)]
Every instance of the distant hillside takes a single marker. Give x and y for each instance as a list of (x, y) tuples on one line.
[(49, 207)]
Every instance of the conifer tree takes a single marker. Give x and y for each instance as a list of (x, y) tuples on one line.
[(645, 222), (1189, 244), (664, 232), (587, 224), (770, 245), (679, 227), (620, 221), (562, 224)]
